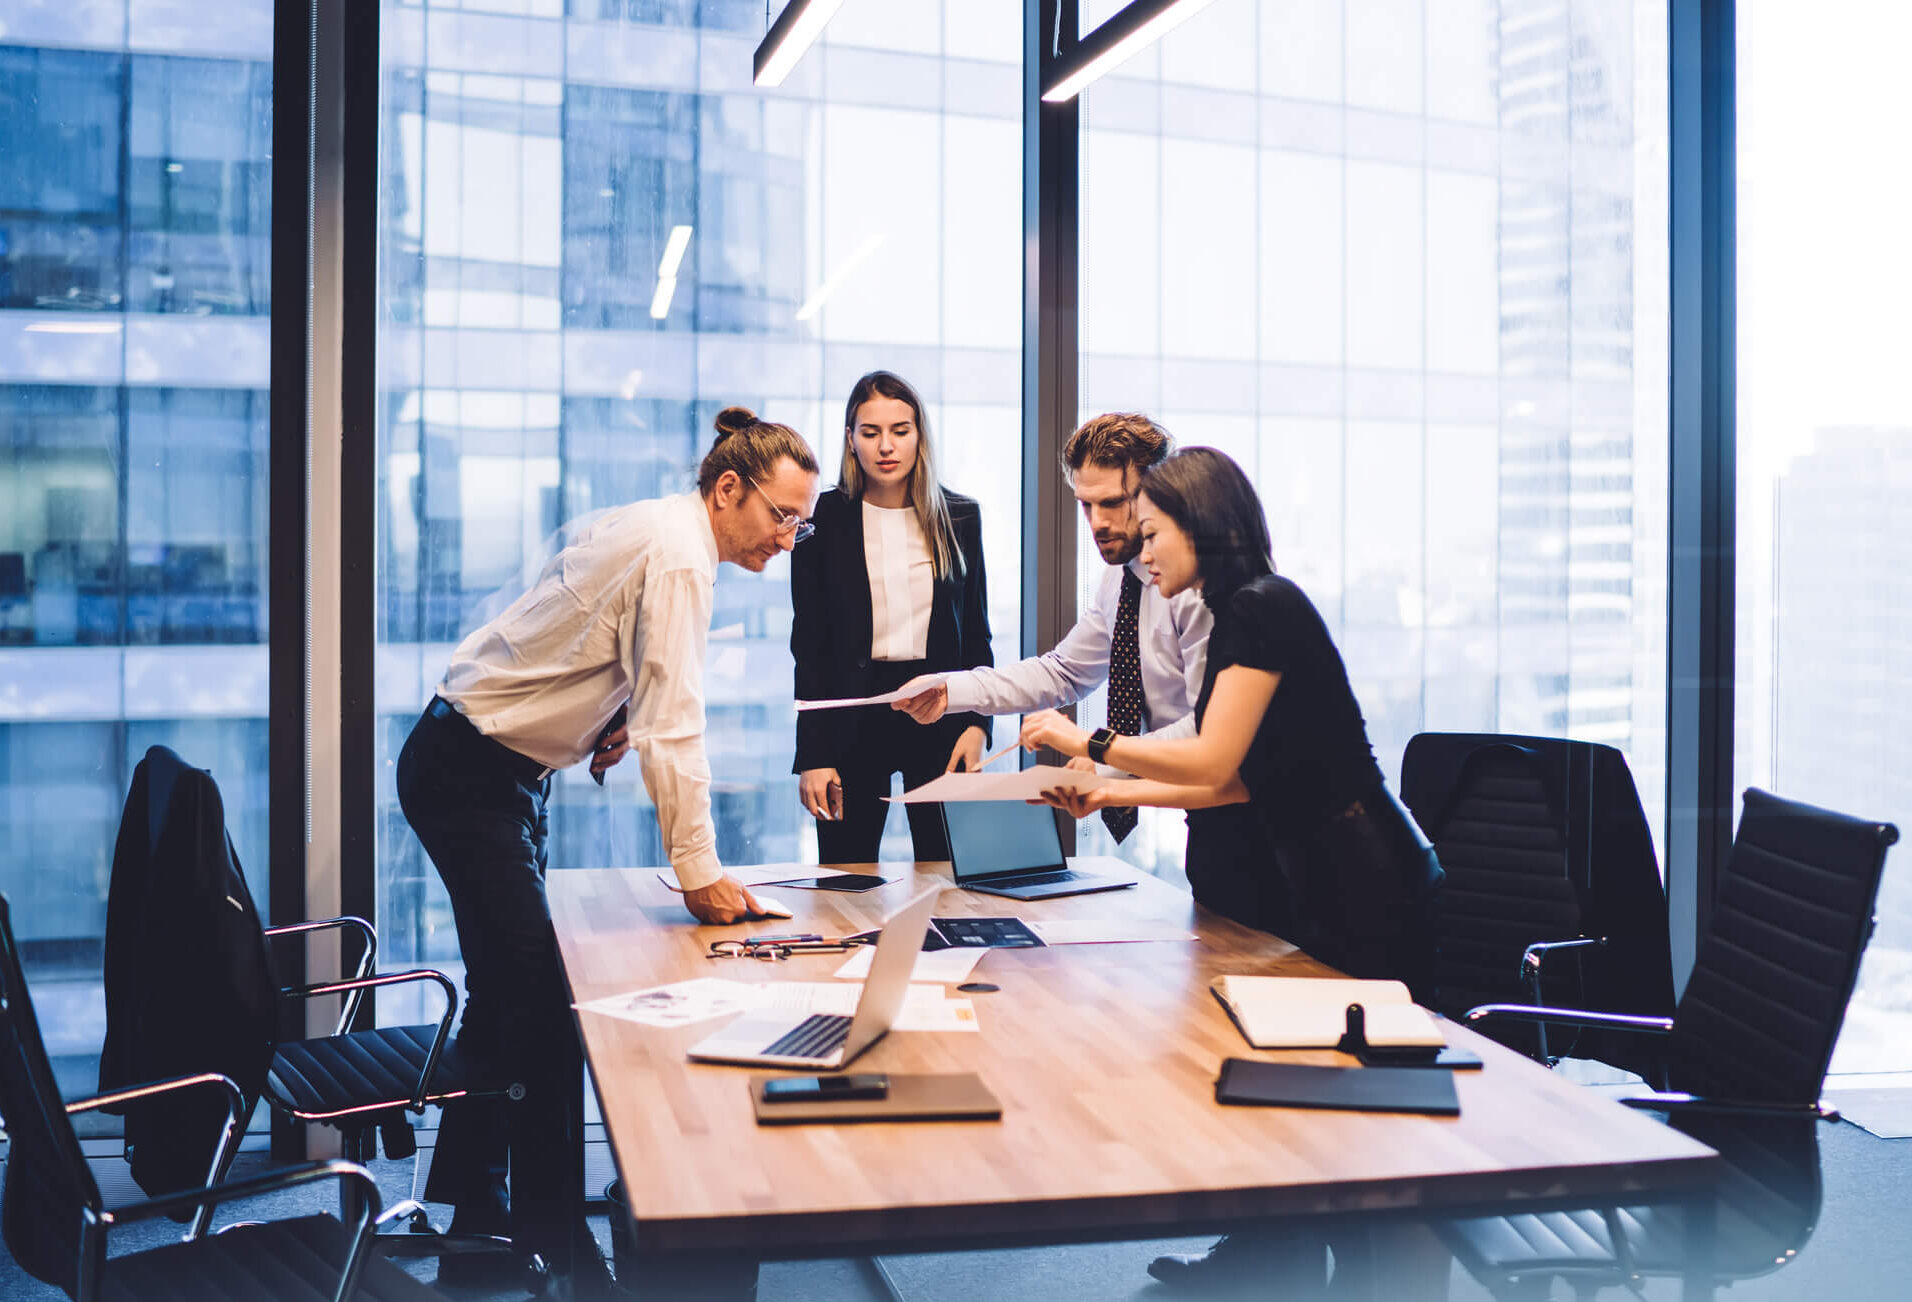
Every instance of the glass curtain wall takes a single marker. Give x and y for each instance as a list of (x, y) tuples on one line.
[(595, 233), (134, 279), (1406, 263), (1824, 608)]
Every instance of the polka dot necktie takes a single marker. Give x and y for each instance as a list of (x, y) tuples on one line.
[(1125, 686)]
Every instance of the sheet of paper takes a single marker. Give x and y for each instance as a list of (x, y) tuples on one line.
[(1018, 784), (941, 966), (845, 702), (1104, 931), (943, 1015), (924, 1007), (748, 877), (678, 1004)]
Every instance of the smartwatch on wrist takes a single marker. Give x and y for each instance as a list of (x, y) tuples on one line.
[(1099, 743)]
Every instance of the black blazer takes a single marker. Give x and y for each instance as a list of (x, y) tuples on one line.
[(831, 624), (189, 986)]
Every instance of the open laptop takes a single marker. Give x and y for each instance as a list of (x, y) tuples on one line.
[(827, 1041), (1003, 847)]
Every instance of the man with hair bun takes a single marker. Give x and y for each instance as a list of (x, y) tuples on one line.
[(603, 655)]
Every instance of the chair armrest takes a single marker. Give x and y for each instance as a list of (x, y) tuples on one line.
[(1678, 1102), (417, 1103), (252, 1187), (1569, 1016), (1537, 953), (229, 1135), (365, 929)]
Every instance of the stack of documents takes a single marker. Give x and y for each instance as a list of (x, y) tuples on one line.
[(686, 1002), (1311, 1013)]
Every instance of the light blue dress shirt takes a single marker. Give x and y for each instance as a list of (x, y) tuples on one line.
[(1171, 635)]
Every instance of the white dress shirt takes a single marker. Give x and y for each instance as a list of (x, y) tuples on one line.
[(1171, 636), (621, 614), (902, 582)]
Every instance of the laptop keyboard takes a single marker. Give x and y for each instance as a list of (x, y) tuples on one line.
[(1043, 879), (814, 1037)]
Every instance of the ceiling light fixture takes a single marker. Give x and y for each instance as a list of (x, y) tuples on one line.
[(795, 31), (1127, 33)]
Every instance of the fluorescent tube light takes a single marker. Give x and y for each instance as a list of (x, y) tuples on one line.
[(661, 300), (673, 253), (795, 31), (837, 277), (1130, 31), (667, 271), (74, 328)]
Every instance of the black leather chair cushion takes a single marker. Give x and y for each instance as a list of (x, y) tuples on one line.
[(359, 1070), (287, 1261), (1773, 975)]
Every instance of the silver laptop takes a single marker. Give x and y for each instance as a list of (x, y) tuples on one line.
[(1002, 847), (827, 1041)]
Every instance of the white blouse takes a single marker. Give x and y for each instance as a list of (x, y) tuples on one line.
[(902, 582)]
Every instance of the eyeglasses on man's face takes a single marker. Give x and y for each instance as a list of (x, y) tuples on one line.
[(789, 523)]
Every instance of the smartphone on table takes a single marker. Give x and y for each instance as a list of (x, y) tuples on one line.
[(818, 1089)]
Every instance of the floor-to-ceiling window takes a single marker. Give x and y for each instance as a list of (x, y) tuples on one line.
[(1405, 261), (1824, 605), (134, 278), (595, 232)]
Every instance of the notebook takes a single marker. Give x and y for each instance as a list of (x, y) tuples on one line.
[(826, 1040), (1312, 1013), (1004, 848), (958, 1096), (1352, 1089)]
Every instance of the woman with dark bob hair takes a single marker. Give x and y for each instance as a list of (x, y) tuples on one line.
[(1278, 727)]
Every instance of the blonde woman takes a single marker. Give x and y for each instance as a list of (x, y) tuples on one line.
[(890, 587)]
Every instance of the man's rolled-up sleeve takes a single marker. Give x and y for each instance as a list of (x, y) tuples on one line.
[(667, 719)]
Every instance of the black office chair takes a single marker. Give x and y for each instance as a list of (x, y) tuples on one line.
[(179, 901), (1749, 1042), (1756, 1025), (56, 1222), (1547, 853), (1765, 1205)]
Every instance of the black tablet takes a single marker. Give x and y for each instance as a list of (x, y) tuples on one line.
[(840, 882)]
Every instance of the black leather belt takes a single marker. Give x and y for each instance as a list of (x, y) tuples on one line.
[(522, 767)]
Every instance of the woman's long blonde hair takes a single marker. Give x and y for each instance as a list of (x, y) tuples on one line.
[(926, 491)]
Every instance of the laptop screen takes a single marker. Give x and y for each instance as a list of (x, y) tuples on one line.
[(988, 838)]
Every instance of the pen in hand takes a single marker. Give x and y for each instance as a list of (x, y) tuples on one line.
[(603, 741), (983, 764)]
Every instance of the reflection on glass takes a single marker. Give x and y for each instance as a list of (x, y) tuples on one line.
[(527, 216), (134, 274), (1409, 271)]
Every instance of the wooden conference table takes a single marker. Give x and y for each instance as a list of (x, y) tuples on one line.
[(1104, 1057)]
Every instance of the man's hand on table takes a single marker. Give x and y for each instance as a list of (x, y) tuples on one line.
[(723, 901)]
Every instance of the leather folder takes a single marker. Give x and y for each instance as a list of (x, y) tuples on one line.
[(1355, 1089), (960, 1096)]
